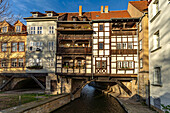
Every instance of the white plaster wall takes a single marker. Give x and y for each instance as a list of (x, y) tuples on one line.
[(160, 57), (45, 37)]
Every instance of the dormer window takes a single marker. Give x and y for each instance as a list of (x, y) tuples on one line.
[(18, 28), (84, 19), (35, 15), (49, 14), (4, 29), (74, 19)]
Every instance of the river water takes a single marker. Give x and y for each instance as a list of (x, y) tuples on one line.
[(92, 101)]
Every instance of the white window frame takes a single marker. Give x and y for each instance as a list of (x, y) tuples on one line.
[(130, 45), (51, 45), (18, 28), (124, 45), (14, 46), (51, 30), (3, 47), (140, 26), (20, 62), (4, 29), (156, 39), (39, 30), (13, 62), (119, 45), (32, 30)]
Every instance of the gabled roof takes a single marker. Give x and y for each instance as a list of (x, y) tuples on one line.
[(140, 5)]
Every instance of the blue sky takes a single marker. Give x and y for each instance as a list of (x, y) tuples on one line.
[(24, 7)]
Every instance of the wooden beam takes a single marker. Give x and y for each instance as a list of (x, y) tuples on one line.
[(36, 80), (124, 88), (7, 82)]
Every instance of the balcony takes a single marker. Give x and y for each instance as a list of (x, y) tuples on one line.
[(74, 50), (124, 51)]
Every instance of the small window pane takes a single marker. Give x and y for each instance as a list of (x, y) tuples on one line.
[(100, 45)]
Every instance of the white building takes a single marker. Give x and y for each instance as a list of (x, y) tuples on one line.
[(159, 52)]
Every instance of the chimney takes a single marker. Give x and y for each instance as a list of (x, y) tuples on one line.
[(80, 10), (106, 9), (101, 9)]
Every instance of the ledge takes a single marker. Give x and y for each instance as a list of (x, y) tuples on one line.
[(155, 49), (160, 85), (154, 17)]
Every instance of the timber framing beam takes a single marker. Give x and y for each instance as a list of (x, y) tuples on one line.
[(38, 82), (124, 88)]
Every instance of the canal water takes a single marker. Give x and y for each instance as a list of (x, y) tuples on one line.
[(92, 101)]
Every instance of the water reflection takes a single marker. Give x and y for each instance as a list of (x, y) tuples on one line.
[(92, 101)]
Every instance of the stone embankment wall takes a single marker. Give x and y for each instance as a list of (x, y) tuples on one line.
[(44, 106)]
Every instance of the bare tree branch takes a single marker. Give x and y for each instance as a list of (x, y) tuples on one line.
[(6, 12)]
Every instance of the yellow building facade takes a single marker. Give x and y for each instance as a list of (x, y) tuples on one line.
[(12, 47)]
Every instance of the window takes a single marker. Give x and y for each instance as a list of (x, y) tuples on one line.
[(39, 30), (140, 45), (157, 76), (130, 45), (49, 14), (79, 63), (36, 46), (14, 47), (156, 40), (51, 46), (140, 26), (21, 46), (32, 30), (131, 64), (141, 63), (119, 64), (74, 19), (18, 28), (100, 27), (20, 62), (155, 7), (101, 45), (84, 19), (101, 64), (3, 63), (124, 45), (119, 46), (38, 62), (125, 64), (35, 15), (14, 63), (51, 30), (4, 29), (4, 47), (50, 62)]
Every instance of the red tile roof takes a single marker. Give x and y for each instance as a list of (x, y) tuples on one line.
[(97, 15), (140, 5)]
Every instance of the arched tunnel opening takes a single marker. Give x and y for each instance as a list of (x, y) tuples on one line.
[(28, 83)]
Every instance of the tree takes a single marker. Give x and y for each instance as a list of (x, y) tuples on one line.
[(6, 13)]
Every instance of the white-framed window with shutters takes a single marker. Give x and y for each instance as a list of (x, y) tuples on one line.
[(157, 76), (51, 46), (32, 30), (39, 30), (50, 62), (51, 30)]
